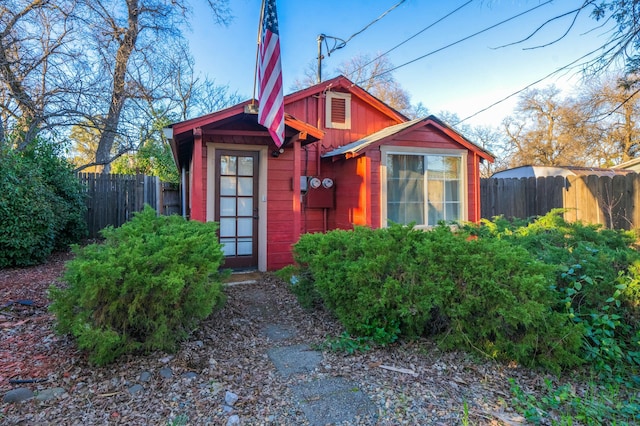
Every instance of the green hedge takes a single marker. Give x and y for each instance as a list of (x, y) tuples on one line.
[(486, 295), (544, 292), (596, 279), (144, 288), (41, 205)]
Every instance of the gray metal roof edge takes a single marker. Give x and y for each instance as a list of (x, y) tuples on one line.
[(360, 144)]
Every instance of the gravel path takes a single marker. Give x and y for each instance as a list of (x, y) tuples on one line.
[(224, 375)]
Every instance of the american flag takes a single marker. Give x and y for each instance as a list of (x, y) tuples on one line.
[(271, 110)]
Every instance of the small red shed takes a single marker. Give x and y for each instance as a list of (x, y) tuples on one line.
[(348, 159)]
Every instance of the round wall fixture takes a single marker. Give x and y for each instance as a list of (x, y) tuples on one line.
[(327, 182), (315, 183)]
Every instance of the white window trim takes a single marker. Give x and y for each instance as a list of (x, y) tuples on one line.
[(386, 150), (347, 111)]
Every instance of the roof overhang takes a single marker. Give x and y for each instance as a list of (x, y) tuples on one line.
[(240, 120), (356, 148)]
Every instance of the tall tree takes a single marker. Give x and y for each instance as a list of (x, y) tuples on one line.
[(38, 81), (487, 137), (152, 158), (624, 42), (84, 143), (614, 107), (132, 33), (375, 76), (95, 63), (547, 130), (491, 139)]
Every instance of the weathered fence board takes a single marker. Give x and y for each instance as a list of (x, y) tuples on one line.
[(612, 202), (112, 199)]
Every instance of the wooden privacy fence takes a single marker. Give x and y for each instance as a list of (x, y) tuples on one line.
[(112, 199), (613, 202)]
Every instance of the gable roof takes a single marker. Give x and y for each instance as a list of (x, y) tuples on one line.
[(244, 115), (338, 83), (342, 83), (355, 148)]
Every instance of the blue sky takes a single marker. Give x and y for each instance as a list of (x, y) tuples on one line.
[(463, 79)]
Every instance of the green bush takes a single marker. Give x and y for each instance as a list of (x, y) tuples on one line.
[(41, 206), (483, 295), (144, 288), (504, 306), (360, 276), (66, 194), (596, 279)]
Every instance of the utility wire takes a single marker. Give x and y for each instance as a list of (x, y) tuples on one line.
[(528, 86), (412, 37), (605, 49), (374, 21), (458, 41), (343, 43)]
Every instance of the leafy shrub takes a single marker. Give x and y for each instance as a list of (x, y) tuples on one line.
[(503, 306), (479, 294), (360, 274), (143, 289), (596, 279), (27, 232), (41, 208), (602, 254), (67, 195)]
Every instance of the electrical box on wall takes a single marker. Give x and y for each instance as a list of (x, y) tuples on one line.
[(320, 193)]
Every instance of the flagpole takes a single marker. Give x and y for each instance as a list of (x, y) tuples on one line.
[(255, 71)]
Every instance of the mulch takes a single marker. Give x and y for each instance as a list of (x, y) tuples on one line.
[(29, 349), (229, 352)]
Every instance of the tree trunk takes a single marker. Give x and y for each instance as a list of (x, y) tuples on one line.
[(119, 94)]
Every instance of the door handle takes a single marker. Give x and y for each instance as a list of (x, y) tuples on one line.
[(255, 213)]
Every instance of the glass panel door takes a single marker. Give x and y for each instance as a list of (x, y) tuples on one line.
[(237, 206)]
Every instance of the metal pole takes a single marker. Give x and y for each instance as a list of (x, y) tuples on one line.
[(255, 71), (319, 74)]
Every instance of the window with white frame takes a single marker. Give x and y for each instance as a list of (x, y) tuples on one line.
[(338, 110), (424, 188)]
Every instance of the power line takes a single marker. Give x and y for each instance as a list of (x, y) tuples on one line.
[(528, 86), (338, 43), (412, 37), (374, 21), (459, 41), (610, 113), (343, 43), (606, 49)]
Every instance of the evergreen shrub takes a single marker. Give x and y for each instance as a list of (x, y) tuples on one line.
[(143, 289), (476, 294), (504, 306)]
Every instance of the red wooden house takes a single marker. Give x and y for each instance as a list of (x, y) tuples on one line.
[(348, 159)]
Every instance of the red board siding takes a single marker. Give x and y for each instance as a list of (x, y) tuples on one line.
[(375, 157), (364, 120), (473, 194), (281, 211), (313, 220), (199, 179), (354, 193)]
